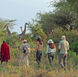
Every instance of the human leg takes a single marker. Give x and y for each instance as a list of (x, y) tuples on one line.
[(36, 55), (64, 61), (60, 59), (21, 59), (50, 58), (40, 55), (26, 60)]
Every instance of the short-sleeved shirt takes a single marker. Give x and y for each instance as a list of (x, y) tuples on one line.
[(64, 46)]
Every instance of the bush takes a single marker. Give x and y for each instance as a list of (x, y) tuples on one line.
[(73, 58), (9, 40), (74, 47)]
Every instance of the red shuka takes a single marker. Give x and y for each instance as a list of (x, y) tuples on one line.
[(5, 55)]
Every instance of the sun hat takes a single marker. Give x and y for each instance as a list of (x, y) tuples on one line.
[(25, 41), (50, 41)]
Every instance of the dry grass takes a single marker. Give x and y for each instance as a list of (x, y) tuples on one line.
[(13, 70)]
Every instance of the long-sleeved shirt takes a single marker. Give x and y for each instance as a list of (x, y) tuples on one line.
[(49, 50), (25, 46)]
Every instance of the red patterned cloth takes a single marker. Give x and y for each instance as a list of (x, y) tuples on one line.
[(5, 54)]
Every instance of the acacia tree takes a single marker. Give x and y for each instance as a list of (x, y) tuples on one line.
[(6, 25), (65, 16), (68, 10), (47, 22)]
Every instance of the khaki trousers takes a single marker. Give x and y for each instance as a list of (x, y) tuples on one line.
[(24, 57)]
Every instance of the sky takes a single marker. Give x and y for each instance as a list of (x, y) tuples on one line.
[(22, 10)]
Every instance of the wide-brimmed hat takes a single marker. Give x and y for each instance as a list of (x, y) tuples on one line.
[(25, 41), (50, 41)]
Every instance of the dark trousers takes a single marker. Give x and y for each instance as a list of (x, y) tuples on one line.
[(38, 56), (62, 57), (50, 58)]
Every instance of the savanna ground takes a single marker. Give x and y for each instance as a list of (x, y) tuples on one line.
[(52, 25), (45, 70)]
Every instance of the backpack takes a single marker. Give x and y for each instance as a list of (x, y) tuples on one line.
[(52, 45), (24, 49)]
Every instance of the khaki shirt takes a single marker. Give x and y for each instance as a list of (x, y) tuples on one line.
[(26, 47), (64, 46)]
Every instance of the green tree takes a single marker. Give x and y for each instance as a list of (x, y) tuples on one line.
[(65, 15), (36, 31), (68, 10), (47, 21)]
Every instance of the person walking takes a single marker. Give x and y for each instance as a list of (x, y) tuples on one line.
[(39, 47), (51, 49), (5, 52), (63, 47), (25, 47)]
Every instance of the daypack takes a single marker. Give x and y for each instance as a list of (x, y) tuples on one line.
[(24, 49), (52, 45)]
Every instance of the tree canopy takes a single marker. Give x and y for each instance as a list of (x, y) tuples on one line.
[(65, 16)]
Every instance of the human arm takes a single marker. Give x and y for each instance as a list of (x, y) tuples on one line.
[(21, 47), (59, 47), (47, 49), (28, 50), (37, 46)]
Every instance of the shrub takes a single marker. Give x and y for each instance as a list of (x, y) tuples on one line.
[(74, 47), (73, 57)]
